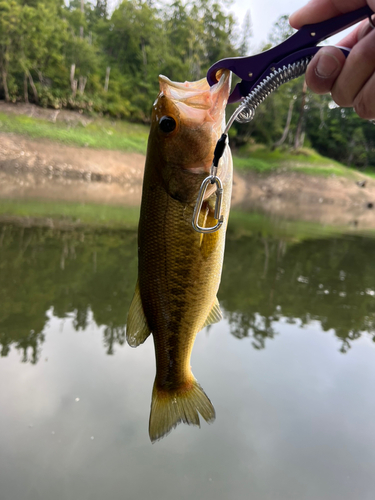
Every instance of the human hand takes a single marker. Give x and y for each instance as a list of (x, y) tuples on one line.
[(351, 81)]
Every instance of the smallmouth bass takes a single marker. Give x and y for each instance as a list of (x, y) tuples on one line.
[(179, 269)]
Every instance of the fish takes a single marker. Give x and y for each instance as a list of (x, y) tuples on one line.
[(179, 269)]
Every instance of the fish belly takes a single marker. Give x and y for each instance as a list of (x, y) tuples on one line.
[(179, 276)]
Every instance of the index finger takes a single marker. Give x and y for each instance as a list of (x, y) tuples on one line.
[(320, 10)]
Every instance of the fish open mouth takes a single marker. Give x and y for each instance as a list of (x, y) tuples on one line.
[(198, 98)]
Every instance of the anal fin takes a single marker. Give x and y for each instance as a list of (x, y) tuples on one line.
[(137, 329), (215, 315)]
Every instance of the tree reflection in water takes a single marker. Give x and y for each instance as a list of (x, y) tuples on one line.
[(331, 280), (90, 275), (76, 273)]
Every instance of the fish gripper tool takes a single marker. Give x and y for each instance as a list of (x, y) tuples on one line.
[(262, 74)]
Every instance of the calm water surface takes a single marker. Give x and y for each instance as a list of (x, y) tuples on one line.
[(290, 371)]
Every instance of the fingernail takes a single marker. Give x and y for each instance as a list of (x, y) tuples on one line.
[(326, 66)]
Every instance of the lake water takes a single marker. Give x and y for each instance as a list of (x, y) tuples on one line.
[(290, 371)]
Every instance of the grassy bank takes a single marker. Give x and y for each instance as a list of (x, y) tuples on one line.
[(71, 213), (253, 223), (103, 133), (308, 161), (97, 216)]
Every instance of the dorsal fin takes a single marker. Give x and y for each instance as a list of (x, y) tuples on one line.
[(215, 315), (137, 329)]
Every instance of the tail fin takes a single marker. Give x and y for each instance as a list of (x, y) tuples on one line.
[(169, 408)]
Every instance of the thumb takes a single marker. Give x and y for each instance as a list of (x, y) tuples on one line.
[(323, 70)]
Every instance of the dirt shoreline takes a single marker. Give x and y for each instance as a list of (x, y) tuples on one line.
[(42, 169)]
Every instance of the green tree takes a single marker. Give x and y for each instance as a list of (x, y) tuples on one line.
[(9, 15), (245, 37), (281, 30), (101, 9)]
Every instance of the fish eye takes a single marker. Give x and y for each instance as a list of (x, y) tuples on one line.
[(167, 124)]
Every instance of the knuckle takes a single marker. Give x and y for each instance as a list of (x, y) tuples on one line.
[(364, 51), (340, 97), (362, 107)]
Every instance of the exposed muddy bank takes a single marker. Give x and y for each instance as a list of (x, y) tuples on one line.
[(334, 201), (40, 169)]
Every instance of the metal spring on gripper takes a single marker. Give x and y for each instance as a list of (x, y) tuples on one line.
[(245, 112)]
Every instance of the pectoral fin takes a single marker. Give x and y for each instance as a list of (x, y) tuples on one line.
[(137, 329), (215, 315)]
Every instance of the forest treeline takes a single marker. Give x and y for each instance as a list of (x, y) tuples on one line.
[(80, 56)]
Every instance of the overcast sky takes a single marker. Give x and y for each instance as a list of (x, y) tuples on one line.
[(263, 14)]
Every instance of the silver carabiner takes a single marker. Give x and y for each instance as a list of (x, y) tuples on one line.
[(198, 206)]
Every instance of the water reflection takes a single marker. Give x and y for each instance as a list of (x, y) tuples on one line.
[(90, 275), (72, 272), (331, 280)]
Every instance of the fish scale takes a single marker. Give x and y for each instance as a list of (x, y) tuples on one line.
[(179, 270), (175, 318)]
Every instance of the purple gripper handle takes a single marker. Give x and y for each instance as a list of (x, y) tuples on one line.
[(244, 88), (299, 45)]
